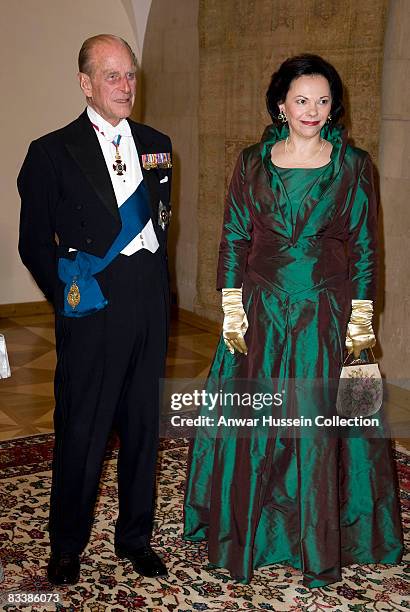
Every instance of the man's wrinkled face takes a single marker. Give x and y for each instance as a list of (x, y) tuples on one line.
[(110, 88)]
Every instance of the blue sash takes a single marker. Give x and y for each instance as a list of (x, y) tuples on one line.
[(79, 272)]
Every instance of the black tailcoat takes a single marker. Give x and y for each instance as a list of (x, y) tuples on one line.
[(67, 198), (108, 363)]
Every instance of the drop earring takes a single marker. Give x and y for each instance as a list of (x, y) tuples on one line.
[(282, 116)]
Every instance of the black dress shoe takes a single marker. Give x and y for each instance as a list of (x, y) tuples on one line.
[(63, 568), (145, 561)]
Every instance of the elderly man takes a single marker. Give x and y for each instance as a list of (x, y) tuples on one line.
[(94, 218)]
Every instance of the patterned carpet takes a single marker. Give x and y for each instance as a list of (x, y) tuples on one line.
[(108, 584)]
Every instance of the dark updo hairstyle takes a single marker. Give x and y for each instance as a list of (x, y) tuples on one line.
[(298, 66)]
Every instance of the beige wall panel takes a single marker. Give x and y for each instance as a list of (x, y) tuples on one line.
[(394, 332), (170, 104), (395, 150)]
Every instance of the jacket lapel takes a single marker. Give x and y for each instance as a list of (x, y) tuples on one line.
[(84, 148), (339, 140), (282, 204), (294, 227)]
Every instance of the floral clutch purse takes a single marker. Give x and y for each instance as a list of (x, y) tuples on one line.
[(360, 391), (4, 360)]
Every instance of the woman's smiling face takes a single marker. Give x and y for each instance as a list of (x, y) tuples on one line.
[(307, 105)]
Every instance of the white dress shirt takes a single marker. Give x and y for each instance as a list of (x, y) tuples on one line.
[(124, 185)]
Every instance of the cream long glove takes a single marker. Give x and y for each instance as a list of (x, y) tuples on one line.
[(360, 334), (235, 321)]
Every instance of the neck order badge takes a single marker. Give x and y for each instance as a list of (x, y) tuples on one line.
[(119, 166)]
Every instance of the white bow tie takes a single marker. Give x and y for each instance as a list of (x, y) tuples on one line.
[(106, 129), (122, 129)]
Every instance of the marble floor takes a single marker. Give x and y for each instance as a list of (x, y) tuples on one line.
[(26, 398)]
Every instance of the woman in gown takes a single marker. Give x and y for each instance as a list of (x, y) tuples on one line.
[(297, 269)]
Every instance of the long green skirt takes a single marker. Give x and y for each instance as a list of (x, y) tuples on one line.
[(318, 500)]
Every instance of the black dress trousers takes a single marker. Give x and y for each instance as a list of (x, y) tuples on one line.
[(108, 369)]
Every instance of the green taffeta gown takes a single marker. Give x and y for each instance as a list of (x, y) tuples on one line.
[(302, 244)]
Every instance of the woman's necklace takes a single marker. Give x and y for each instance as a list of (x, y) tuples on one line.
[(305, 161)]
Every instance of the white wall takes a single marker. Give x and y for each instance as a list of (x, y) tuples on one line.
[(138, 15), (39, 44)]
